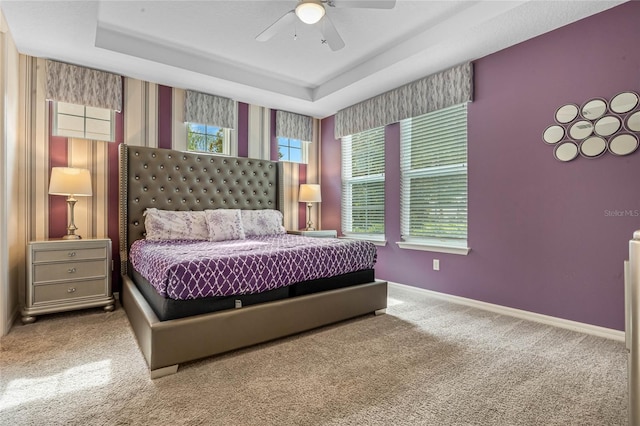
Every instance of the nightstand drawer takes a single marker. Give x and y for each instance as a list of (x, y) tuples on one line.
[(69, 254), (66, 291), (69, 271)]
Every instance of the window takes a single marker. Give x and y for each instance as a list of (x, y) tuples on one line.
[(203, 138), (293, 150), (363, 184), (433, 165), (84, 122)]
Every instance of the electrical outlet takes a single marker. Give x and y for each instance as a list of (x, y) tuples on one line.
[(436, 264)]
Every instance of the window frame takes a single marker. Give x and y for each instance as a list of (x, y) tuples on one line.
[(304, 150), (348, 181), (66, 133), (226, 138), (435, 243)]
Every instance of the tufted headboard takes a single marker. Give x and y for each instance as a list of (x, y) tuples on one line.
[(176, 180)]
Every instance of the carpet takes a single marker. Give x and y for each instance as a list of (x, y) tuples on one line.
[(426, 362)]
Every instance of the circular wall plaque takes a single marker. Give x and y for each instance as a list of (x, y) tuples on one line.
[(566, 151)]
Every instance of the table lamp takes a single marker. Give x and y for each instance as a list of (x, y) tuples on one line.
[(309, 193), (71, 182)]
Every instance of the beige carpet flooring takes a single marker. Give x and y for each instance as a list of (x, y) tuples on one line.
[(427, 362)]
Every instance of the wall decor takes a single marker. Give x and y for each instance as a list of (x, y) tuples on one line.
[(633, 122), (623, 144), (624, 102), (608, 125), (593, 147), (566, 113), (594, 109), (566, 151), (597, 127), (554, 134)]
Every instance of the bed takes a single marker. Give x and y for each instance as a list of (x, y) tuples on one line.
[(170, 332)]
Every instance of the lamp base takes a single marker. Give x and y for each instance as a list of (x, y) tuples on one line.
[(72, 237), (309, 223)]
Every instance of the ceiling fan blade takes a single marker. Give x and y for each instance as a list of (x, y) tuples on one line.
[(363, 4), (275, 28), (330, 34)]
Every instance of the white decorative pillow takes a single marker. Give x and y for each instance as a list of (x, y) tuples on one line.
[(175, 225), (225, 224), (262, 222)]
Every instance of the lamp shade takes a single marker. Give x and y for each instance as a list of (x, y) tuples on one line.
[(309, 193), (70, 181), (310, 11)]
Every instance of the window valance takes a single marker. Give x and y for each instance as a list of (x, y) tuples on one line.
[(208, 109), (294, 126), (83, 86), (447, 88)]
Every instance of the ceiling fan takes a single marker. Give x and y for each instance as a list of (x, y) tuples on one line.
[(313, 12)]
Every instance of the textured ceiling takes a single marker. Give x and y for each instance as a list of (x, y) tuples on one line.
[(210, 45)]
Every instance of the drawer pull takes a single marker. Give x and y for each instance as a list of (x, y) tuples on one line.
[(71, 290), (72, 254), (71, 270)]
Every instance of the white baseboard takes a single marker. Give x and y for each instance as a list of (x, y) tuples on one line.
[(593, 330)]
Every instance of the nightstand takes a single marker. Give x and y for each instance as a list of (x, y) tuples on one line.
[(325, 233), (63, 275)]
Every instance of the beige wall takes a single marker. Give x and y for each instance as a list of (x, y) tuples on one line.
[(12, 190)]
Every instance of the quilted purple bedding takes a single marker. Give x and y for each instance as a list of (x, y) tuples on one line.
[(184, 270)]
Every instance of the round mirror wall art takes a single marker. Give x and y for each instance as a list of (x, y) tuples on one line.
[(553, 134), (623, 144), (593, 147), (594, 109), (580, 130), (598, 127), (566, 113), (633, 122), (624, 102), (566, 151), (606, 126)]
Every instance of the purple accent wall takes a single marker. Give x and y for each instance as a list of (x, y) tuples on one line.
[(165, 116), (243, 129), (330, 157), (545, 235)]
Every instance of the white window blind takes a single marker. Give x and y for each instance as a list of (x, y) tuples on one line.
[(83, 122), (363, 184), (433, 164)]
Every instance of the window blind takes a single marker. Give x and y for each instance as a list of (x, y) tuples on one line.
[(363, 183), (294, 126), (202, 108), (433, 183), (83, 86), (441, 90)]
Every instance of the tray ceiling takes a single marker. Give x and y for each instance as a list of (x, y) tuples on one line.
[(210, 46)]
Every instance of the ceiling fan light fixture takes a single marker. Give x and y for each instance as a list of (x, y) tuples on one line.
[(309, 12)]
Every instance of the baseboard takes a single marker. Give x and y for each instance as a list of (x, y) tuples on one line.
[(593, 330)]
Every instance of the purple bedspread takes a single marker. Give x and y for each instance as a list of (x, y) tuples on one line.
[(193, 269)]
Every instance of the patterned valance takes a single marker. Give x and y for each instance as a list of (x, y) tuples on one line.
[(294, 126), (207, 109), (451, 87), (83, 86)]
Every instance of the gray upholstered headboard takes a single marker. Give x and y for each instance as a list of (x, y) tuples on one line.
[(176, 180)]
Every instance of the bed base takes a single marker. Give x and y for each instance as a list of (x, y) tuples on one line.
[(166, 344)]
